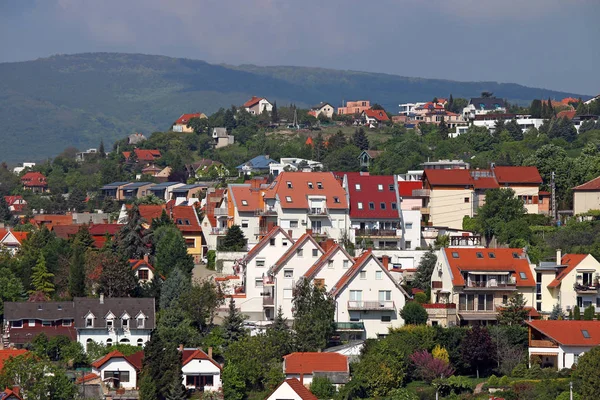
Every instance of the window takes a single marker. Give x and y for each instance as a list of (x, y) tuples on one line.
[(109, 323), (46, 323), (382, 205), (491, 255), (380, 187), (523, 275), (315, 253), (300, 252), (125, 323), (391, 187), (363, 274), (190, 243), (244, 223), (394, 206), (454, 254), (466, 302), (575, 358), (294, 224), (59, 308), (319, 185), (244, 202), (356, 295), (346, 264), (330, 264), (260, 262), (385, 295), (288, 199), (140, 322), (336, 199), (89, 322), (289, 185), (467, 199), (515, 255), (357, 186), (287, 294), (360, 205), (407, 244), (17, 324), (258, 282), (386, 318), (310, 185), (479, 254), (354, 318), (140, 342), (408, 225), (143, 274), (288, 273), (122, 376), (284, 243), (272, 242), (66, 322), (585, 333), (378, 275), (109, 342), (504, 299), (371, 205), (31, 322)]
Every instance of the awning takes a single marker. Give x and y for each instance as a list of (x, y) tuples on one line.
[(478, 317), (488, 272), (538, 353)]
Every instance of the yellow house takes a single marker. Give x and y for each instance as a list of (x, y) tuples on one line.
[(188, 223)]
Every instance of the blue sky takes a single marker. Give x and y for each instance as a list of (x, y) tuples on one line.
[(542, 43)]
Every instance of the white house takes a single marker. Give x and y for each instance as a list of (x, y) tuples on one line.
[(118, 370), (295, 164), (112, 320), (291, 389), (306, 366), (560, 343), (258, 105), (200, 371), (21, 168), (143, 270)]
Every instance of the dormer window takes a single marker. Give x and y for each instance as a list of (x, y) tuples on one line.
[(310, 185), (89, 322), (140, 322), (289, 185), (380, 187), (109, 323), (125, 323), (319, 185), (336, 199)]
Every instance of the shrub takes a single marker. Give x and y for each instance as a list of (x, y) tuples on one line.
[(322, 387), (504, 381), (210, 259), (402, 394), (429, 368), (440, 353), (567, 396), (413, 313), (493, 381), (421, 298), (520, 371)]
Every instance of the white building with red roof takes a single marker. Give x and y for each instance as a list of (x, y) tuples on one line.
[(200, 371), (374, 118), (35, 181), (478, 281), (118, 370), (258, 105), (181, 124), (291, 389), (304, 366), (586, 197)]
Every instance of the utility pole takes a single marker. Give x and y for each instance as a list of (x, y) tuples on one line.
[(553, 205)]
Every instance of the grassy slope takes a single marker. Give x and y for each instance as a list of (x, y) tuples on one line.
[(76, 100)]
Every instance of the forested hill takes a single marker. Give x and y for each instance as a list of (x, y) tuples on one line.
[(75, 100)]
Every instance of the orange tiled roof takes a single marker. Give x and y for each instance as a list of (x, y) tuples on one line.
[(593, 185), (507, 175), (504, 260), (379, 115), (569, 333), (197, 354), (34, 179), (254, 100), (299, 388), (88, 377), (307, 363), (448, 177), (485, 183), (185, 118), (569, 114), (134, 359), (571, 261), (5, 354), (186, 219), (149, 211), (246, 198), (300, 189)]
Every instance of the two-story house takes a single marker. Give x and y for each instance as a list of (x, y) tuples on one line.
[(34, 181), (354, 107), (586, 197), (181, 125), (187, 221), (119, 370), (12, 240), (525, 181), (112, 320), (113, 190), (325, 109), (135, 190), (483, 105), (258, 105), (164, 191), (447, 197), (23, 321), (480, 281), (245, 208)]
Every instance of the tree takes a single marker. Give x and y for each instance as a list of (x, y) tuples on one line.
[(425, 270), (513, 312), (576, 313), (344, 159), (200, 304), (229, 120), (83, 238), (131, 241), (117, 279), (322, 387), (429, 368), (336, 141), (76, 200), (198, 125), (535, 109), (443, 129), (101, 150), (587, 373), (314, 310), (557, 313), (233, 324), (319, 151), (5, 214), (234, 386), (501, 206), (162, 367), (589, 313), (279, 336), (414, 313), (176, 283), (515, 131), (360, 140), (477, 348), (11, 288), (41, 279), (234, 240), (274, 113), (171, 251), (586, 126), (77, 273)]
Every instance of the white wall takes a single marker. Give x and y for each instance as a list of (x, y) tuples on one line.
[(284, 392), (411, 229), (119, 364), (102, 335), (203, 367)]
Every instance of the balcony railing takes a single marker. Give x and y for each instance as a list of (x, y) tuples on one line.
[(377, 232), (268, 301), (420, 192), (262, 230), (219, 212), (579, 288), (542, 343), (490, 285), (317, 212), (218, 231), (265, 211), (371, 305), (349, 326)]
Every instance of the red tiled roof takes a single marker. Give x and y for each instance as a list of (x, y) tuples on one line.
[(245, 193), (571, 261), (569, 114), (88, 377), (149, 211), (486, 183), (254, 100), (186, 219), (517, 175), (369, 193), (8, 393), (379, 115), (568, 100), (135, 359), (65, 231), (5, 354), (34, 179), (448, 177), (103, 229), (20, 236), (592, 185), (52, 219), (300, 189), (185, 118), (144, 154), (503, 261), (405, 188), (299, 389), (569, 333), (307, 363), (258, 246), (189, 355), (533, 313)]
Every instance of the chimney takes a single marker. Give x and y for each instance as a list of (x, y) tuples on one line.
[(385, 260), (146, 257), (301, 378), (327, 244), (558, 256), (180, 347), (210, 353), (101, 298), (309, 231)]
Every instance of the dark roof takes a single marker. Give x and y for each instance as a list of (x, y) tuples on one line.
[(47, 310), (163, 185), (320, 105), (118, 306), (489, 103), (113, 185), (185, 188), (135, 185)]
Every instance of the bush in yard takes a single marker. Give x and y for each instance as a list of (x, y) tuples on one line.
[(210, 259), (567, 396), (429, 368), (414, 313), (402, 394), (440, 353), (587, 372), (322, 387), (421, 298), (493, 381), (504, 381)]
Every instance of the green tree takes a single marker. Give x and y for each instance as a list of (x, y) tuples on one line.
[(414, 313), (515, 131), (535, 109), (233, 324), (234, 240), (162, 367), (513, 312), (131, 240), (77, 273), (336, 141), (117, 279), (313, 319), (147, 387), (171, 251), (5, 214), (200, 303), (589, 312), (576, 313), (274, 113), (234, 386), (557, 313), (279, 335), (76, 200), (360, 140), (83, 238), (176, 283), (41, 279), (199, 125), (229, 120), (319, 150), (501, 206), (344, 159), (443, 129), (587, 373), (322, 387), (101, 151), (11, 288), (425, 270)]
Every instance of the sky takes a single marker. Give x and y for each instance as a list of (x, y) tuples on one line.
[(551, 44)]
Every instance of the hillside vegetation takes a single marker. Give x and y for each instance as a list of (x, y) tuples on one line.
[(77, 100)]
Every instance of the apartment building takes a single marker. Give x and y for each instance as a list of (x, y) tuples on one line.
[(354, 107)]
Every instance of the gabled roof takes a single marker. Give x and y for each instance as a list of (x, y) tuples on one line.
[(507, 175), (480, 259), (186, 219), (149, 211), (34, 179), (487, 103), (320, 105), (137, 264), (322, 261), (51, 310), (5, 354), (370, 192), (9, 394), (379, 115), (143, 154), (371, 153), (310, 362), (134, 359), (185, 118), (116, 305), (258, 162), (258, 246), (569, 333), (298, 388), (571, 261), (485, 183), (245, 198), (405, 188), (292, 250), (448, 177), (253, 101), (569, 114), (304, 184), (189, 355), (592, 185)]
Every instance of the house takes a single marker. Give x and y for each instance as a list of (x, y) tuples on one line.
[(12, 240), (164, 191), (181, 124), (187, 221), (16, 204), (136, 138), (208, 169), (525, 181), (23, 321), (354, 107), (113, 320), (35, 181), (214, 223), (135, 190), (560, 343), (293, 164), (306, 366), (200, 371), (188, 192), (366, 157), (479, 281), (257, 165), (113, 190), (586, 197), (22, 167), (143, 270), (142, 155), (258, 105), (291, 389), (118, 370), (245, 208), (100, 232), (11, 394), (81, 156), (221, 138), (6, 354), (483, 105), (374, 118), (490, 121), (572, 280), (322, 108), (151, 170)]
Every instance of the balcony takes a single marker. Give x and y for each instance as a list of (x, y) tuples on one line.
[(268, 281), (378, 232), (350, 326), (218, 231), (371, 305), (220, 212), (317, 212), (420, 192), (585, 288), (264, 212), (542, 343), (261, 230), (268, 301), (490, 285)]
